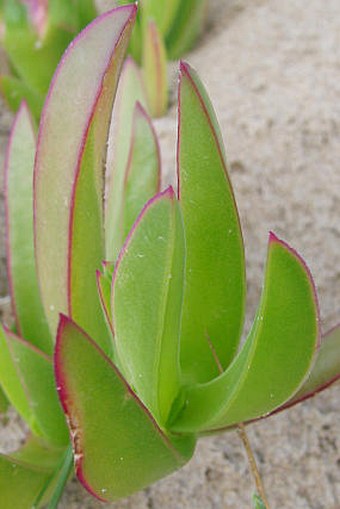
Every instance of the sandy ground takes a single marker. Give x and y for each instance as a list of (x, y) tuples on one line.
[(272, 69)]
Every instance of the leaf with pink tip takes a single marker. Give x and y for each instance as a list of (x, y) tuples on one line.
[(154, 64), (70, 157), (26, 376), (130, 91), (215, 286), (25, 296), (147, 293), (275, 359), (118, 446), (325, 371), (142, 177)]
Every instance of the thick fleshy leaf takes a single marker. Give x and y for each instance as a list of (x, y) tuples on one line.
[(104, 283), (214, 297), (275, 358), (163, 13), (130, 91), (186, 27), (15, 91), (142, 177), (147, 294), (3, 401), (25, 296), (25, 474), (325, 371), (69, 174), (118, 446), (154, 64), (26, 376), (32, 59)]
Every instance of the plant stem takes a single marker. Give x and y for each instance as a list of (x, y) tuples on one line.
[(244, 437), (252, 463)]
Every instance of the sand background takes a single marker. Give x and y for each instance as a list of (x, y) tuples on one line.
[(272, 69)]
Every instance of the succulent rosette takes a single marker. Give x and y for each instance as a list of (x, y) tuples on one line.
[(129, 301)]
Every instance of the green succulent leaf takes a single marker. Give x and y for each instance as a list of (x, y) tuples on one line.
[(130, 91), (15, 91), (3, 402), (26, 376), (275, 358), (25, 475), (163, 13), (154, 64), (23, 282), (186, 27), (147, 292), (104, 283), (69, 173), (324, 372), (118, 446), (142, 177), (214, 297)]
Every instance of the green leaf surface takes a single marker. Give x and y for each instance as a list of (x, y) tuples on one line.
[(186, 27), (324, 372), (130, 91), (104, 282), (163, 13), (3, 402), (25, 296), (147, 293), (26, 376), (154, 64), (15, 91), (118, 446), (214, 297), (69, 174), (275, 358), (142, 177), (25, 474)]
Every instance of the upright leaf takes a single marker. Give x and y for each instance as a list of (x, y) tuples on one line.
[(25, 296), (186, 27), (214, 295), (69, 174), (142, 177), (163, 13), (26, 375), (154, 63), (275, 358), (147, 291), (118, 446), (26, 473), (130, 91)]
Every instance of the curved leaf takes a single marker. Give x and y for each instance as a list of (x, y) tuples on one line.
[(69, 174), (118, 446), (26, 376), (147, 293), (276, 357), (25, 296), (130, 91), (214, 297), (154, 63)]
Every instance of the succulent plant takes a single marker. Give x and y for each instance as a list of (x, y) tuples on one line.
[(134, 324), (35, 33)]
